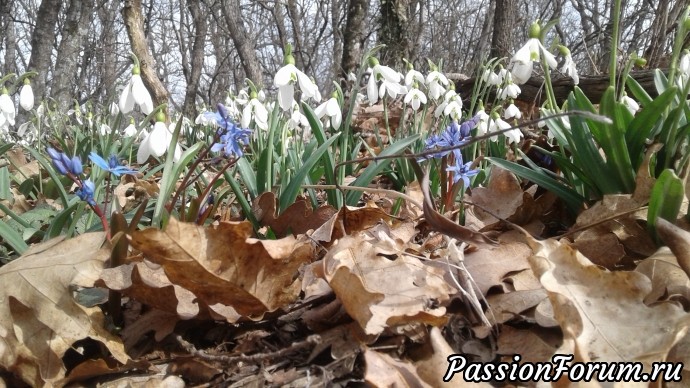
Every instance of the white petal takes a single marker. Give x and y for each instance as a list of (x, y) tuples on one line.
[(158, 139), (387, 73), (284, 75), (521, 72), (26, 97), (332, 107), (286, 96), (143, 153), (308, 88), (337, 119), (6, 105), (126, 103), (372, 90)]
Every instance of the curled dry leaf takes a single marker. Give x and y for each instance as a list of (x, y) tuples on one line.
[(600, 311), (382, 290), (385, 371), (39, 320), (233, 274), (668, 279), (678, 240)]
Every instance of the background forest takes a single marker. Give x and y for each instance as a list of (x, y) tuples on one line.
[(204, 49)]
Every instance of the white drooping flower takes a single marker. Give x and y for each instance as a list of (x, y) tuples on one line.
[(156, 142), (512, 111), (331, 108), (26, 96), (289, 75), (436, 82), (491, 78), (130, 130), (448, 98), (631, 104), (390, 82), (497, 124), (114, 109), (483, 125), (254, 110), (105, 129), (7, 112), (297, 119), (415, 98), (568, 67), (412, 77), (529, 53), (511, 90), (135, 92)]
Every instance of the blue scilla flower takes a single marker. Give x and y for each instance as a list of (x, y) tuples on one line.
[(85, 192), (232, 137), (454, 135), (112, 165), (462, 171), (64, 164)]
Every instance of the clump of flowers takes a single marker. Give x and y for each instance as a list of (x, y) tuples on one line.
[(455, 135), (73, 169)]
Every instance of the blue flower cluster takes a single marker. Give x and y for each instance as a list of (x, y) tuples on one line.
[(232, 137), (64, 164), (455, 135)]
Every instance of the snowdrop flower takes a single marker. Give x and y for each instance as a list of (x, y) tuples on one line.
[(331, 108), (135, 93), (568, 67), (7, 111), (26, 95), (529, 53), (114, 109), (130, 130), (511, 90), (512, 111), (497, 124), (105, 129), (683, 69), (415, 98), (483, 120), (285, 79), (297, 118), (631, 104), (413, 76), (451, 103), (254, 110), (436, 82), (491, 78), (157, 141), (390, 82)]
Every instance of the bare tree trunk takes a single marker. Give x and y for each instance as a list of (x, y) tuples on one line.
[(193, 72), (482, 48), (42, 41), (392, 32), (134, 23), (298, 46), (353, 36), (73, 33), (107, 60), (336, 20), (502, 40), (7, 25), (245, 48)]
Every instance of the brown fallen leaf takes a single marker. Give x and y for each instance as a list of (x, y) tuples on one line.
[(678, 240), (385, 371), (600, 311), (298, 218), (39, 319), (668, 279), (489, 266), (232, 273), (382, 291)]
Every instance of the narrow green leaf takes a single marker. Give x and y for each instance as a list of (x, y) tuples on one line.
[(248, 176), (666, 198), (334, 197), (638, 91), (373, 169), (290, 193), (645, 124), (13, 238)]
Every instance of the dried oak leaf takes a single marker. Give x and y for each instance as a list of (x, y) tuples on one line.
[(381, 290), (668, 278), (298, 218), (600, 311), (39, 319), (232, 273)]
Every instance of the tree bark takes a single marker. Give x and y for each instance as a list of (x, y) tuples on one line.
[(42, 41), (73, 33), (193, 73), (353, 36), (502, 39), (245, 49), (7, 25), (134, 23), (298, 46), (392, 32)]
